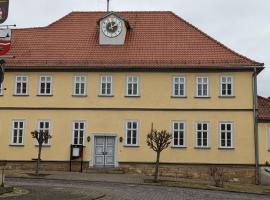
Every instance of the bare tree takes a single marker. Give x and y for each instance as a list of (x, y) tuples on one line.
[(158, 141), (41, 137)]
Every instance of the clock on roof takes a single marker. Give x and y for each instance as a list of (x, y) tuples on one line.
[(111, 27)]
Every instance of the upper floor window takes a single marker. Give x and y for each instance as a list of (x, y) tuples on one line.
[(21, 85), (132, 86), (226, 86), (202, 134), (106, 86), (17, 132), (1, 89), (79, 86), (226, 134), (45, 125), (78, 132), (202, 86), (179, 86), (179, 135), (132, 133), (45, 85)]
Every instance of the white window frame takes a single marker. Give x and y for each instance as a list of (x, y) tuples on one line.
[(13, 129), (232, 85), (232, 134), (15, 88), (1, 89), (45, 89), (133, 82), (49, 130), (208, 135), (197, 86), (179, 83), (137, 135), (80, 82), (111, 82), (184, 135), (84, 131)]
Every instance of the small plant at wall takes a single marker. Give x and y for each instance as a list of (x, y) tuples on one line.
[(158, 141), (217, 175), (41, 137)]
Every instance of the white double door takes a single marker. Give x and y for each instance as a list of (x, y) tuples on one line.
[(104, 151)]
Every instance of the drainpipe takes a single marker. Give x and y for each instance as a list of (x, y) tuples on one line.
[(256, 142)]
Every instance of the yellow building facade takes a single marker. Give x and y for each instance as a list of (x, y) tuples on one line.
[(206, 100)]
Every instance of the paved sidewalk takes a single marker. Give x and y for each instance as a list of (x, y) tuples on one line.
[(76, 176)]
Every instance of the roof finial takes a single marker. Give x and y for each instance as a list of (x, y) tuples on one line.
[(108, 5)]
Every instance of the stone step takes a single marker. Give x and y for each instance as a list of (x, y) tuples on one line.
[(105, 171)]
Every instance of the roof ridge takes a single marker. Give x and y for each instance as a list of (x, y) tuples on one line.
[(216, 41)]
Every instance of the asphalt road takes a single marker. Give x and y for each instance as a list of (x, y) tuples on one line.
[(78, 190)]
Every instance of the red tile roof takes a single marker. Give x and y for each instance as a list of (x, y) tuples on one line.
[(156, 40), (263, 108)]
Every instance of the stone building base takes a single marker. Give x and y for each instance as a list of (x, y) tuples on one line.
[(232, 173)]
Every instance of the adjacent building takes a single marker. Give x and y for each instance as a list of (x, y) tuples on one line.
[(102, 79)]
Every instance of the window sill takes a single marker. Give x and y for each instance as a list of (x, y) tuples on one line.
[(45, 145), (196, 97), (103, 95), (132, 96), (226, 148), (78, 95), (226, 97), (21, 95), (178, 97), (131, 146), (16, 145), (206, 148), (178, 147), (44, 95)]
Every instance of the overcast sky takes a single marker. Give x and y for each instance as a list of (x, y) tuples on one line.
[(243, 25)]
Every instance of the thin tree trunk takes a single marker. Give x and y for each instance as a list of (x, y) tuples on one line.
[(157, 167), (38, 160)]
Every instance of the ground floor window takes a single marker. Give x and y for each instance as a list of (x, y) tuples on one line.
[(226, 134), (78, 132), (131, 133), (202, 134), (178, 133), (45, 125), (17, 132)]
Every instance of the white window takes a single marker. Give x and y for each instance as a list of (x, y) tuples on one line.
[(79, 86), (226, 135), (132, 133), (1, 89), (226, 86), (17, 132), (106, 86), (78, 132), (45, 85), (132, 86), (21, 85), (45, 126), (179, 133), (202, 134), (179, 86), (202, 87)]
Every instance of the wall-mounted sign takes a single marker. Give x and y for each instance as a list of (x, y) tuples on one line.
[(2, 70), (5, 40), (3, 10)]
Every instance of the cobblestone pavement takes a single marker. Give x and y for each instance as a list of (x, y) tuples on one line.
[(63, 190)]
